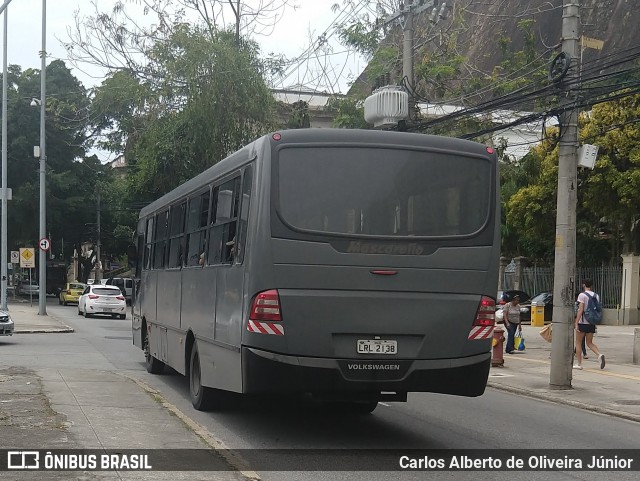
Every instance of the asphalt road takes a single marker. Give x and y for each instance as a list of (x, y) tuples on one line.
[(497, 421)]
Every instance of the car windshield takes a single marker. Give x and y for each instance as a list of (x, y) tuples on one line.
[(76, 286), (107, 292), (543, 297)]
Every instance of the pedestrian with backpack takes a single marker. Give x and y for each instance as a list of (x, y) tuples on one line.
[(588, 316)]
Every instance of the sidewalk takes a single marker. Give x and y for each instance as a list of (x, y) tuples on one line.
[(614, 390), (27, 320), (77, 408)]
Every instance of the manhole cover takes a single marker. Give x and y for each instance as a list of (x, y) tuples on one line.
[(122, 338), (629, 402)]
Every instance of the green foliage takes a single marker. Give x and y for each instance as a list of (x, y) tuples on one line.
[(69, 183), (299, 117), (612, 189), (361, 37), (349, 113), (202, 98)]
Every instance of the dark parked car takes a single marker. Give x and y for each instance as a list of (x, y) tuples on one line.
[(506, 296), (543, 299)]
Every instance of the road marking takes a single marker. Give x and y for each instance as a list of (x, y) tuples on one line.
[(385, 404), (230, 457), (596, 371)]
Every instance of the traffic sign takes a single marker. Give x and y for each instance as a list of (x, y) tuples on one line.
[(27, 257), (45, 244), (15, 257)]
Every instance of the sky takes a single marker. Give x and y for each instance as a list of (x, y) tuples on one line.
[(290, 36)]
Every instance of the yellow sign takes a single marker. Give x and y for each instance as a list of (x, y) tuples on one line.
[(27, 257), (588, 42)]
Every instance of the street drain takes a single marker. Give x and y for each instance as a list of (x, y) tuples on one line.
[(629, 402)]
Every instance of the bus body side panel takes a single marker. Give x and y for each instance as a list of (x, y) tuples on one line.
[(198, 301), (148, 311), (219, 362), (168, 315), (221, 366)]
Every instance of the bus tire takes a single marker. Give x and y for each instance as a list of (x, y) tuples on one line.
[(202, 398), (153, 365)]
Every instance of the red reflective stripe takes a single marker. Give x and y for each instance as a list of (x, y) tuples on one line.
[(384, 273)]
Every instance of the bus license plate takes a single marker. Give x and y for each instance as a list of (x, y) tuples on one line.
[(375, 346)]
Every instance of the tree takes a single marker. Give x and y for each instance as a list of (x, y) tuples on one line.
[(612, 189), (67, 139)]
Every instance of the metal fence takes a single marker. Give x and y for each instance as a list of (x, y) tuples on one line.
[(607, 282)]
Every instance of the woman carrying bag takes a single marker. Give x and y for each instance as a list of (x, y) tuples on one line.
[(511, 322)]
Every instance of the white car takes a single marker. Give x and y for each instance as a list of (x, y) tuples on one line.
[(6, 324), (99, 299)]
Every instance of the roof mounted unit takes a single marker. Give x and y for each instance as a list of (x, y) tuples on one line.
[(386, 106)]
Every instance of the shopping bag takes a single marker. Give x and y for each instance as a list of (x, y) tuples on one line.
[(519, 339), (546, 332)]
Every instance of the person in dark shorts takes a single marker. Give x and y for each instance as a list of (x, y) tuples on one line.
[(584, 329)]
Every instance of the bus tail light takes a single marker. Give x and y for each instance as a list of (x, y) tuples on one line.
[(266, 307), (264, 317), (485, 319)]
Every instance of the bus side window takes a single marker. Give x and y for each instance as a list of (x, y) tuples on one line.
[(160, 240), (148, 247), (196, 228), (176, 235), (222, 233), (245, 199)]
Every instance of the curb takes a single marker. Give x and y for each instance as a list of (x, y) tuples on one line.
[(233, 459), (44, 330), (566, 402)]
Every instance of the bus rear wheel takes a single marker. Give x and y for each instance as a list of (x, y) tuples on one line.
[(153, 365), (203, 398)]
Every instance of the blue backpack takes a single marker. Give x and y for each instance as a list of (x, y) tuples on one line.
[(593, 312)]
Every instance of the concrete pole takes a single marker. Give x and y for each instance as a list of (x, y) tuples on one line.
[(407, 57), (3, 241), (42, 296), (99, 268), (564, 287)]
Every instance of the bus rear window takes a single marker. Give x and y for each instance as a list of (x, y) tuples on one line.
[(383, 192)]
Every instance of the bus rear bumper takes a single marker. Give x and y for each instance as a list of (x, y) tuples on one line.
[(267, 372)]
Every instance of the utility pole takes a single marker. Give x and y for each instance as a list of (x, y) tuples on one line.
[(407, 57), (3, 241), (405, 16), (564, 287), (42, 258), (99, 269)]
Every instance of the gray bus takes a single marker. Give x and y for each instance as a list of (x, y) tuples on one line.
[(351, 265)]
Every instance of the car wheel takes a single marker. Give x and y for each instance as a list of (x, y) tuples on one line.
[(86, 314), (59, 302), (202, 398), (64, 303), (79, 311), (153, 365)]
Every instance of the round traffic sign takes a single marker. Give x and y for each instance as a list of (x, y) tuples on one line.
[(45, 244)]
